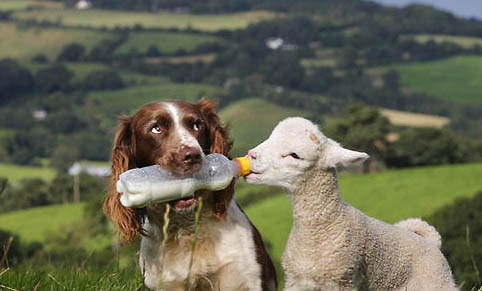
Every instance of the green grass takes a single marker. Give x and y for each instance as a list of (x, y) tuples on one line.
[(390, 196), (464, 41), (15, 173), (108, 105), (457, 79), (48, 277), (25, 42), (252, 121), (33, 224), (112, 19), (166, 42), (12, 5)]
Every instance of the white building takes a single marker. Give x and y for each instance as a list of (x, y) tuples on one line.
[(83, 5)]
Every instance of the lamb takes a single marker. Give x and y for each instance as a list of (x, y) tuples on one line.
[(332, 245)]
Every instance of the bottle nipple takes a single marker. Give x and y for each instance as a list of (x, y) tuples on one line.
[(244, 165)]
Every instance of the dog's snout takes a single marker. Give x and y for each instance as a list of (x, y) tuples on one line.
[(252, 154), (190, 156)]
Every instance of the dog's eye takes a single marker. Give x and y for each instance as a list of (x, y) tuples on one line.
[(197, 125), (156, 129), (295, 156)]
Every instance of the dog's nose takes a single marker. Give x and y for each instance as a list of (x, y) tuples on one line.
[(191, 156), (252, 154)]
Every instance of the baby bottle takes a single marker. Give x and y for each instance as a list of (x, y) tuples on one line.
[(142, 186)]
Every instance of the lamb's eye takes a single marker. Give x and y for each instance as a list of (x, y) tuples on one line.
[(295, 156), (156, 129)]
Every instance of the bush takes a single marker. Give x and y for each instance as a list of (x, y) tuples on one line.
[(73, 52), (14, 80), (460, 225)]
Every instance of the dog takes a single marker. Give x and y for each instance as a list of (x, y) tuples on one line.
[(229, 252)]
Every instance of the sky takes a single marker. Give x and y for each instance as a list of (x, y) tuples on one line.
[(464, 8)]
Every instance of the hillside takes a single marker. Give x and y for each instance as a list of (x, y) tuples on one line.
[(252, 120), (455, 79)]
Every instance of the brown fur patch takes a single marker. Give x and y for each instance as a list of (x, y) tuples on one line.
[(314, 139)]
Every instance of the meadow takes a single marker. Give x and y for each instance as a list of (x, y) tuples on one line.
[(15, 173), (12, 5), (457, 79), (35, 223), (23, 42), (112, 19), (252, 120)]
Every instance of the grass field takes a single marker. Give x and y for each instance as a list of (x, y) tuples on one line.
[(389, 196), (12, 5), (463, 41), (15, 173), (26, 42), (112, 19), (166, 42), (69, 278), (110, 104), (457, 79), (33, 224), (252, 121)]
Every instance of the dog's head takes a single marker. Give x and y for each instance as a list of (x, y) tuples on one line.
[(294, 146), (175, 135)]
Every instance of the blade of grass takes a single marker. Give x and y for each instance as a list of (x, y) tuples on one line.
[(194, 242)]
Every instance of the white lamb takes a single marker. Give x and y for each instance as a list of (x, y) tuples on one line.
[(332, 245)]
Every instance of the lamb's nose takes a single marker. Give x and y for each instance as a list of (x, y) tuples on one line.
[(252, 154), (191, 156)]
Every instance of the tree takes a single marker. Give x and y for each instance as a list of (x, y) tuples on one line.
[(53, 78), (426, 146), (63, 157), (283, 69), (72, 52), (64, 122), (14, 80), (460, 225), (362, 129)]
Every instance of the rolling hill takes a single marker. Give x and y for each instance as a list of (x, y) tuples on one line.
[(252, 120), (457, 79)]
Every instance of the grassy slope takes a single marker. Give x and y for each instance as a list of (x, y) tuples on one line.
[(33, 224), (15, 173), (108, 105), (166, 42), (11, 5), (252, 121), (458, 78), (112, 19), (23, 42), (390, 196), (463, 41)]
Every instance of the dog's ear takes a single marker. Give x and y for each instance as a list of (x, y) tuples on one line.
[(128, 221), (220, 143), (218, 134)]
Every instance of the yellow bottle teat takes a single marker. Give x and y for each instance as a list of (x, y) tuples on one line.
[(244, 165)]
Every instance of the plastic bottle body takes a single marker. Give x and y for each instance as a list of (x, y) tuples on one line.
[(142, 186)]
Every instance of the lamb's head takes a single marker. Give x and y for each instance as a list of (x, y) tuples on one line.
[(295, 146)]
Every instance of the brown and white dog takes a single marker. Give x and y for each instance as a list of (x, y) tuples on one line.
[(229, 253)]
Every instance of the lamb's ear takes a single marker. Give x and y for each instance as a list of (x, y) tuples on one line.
[(335, 155)]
